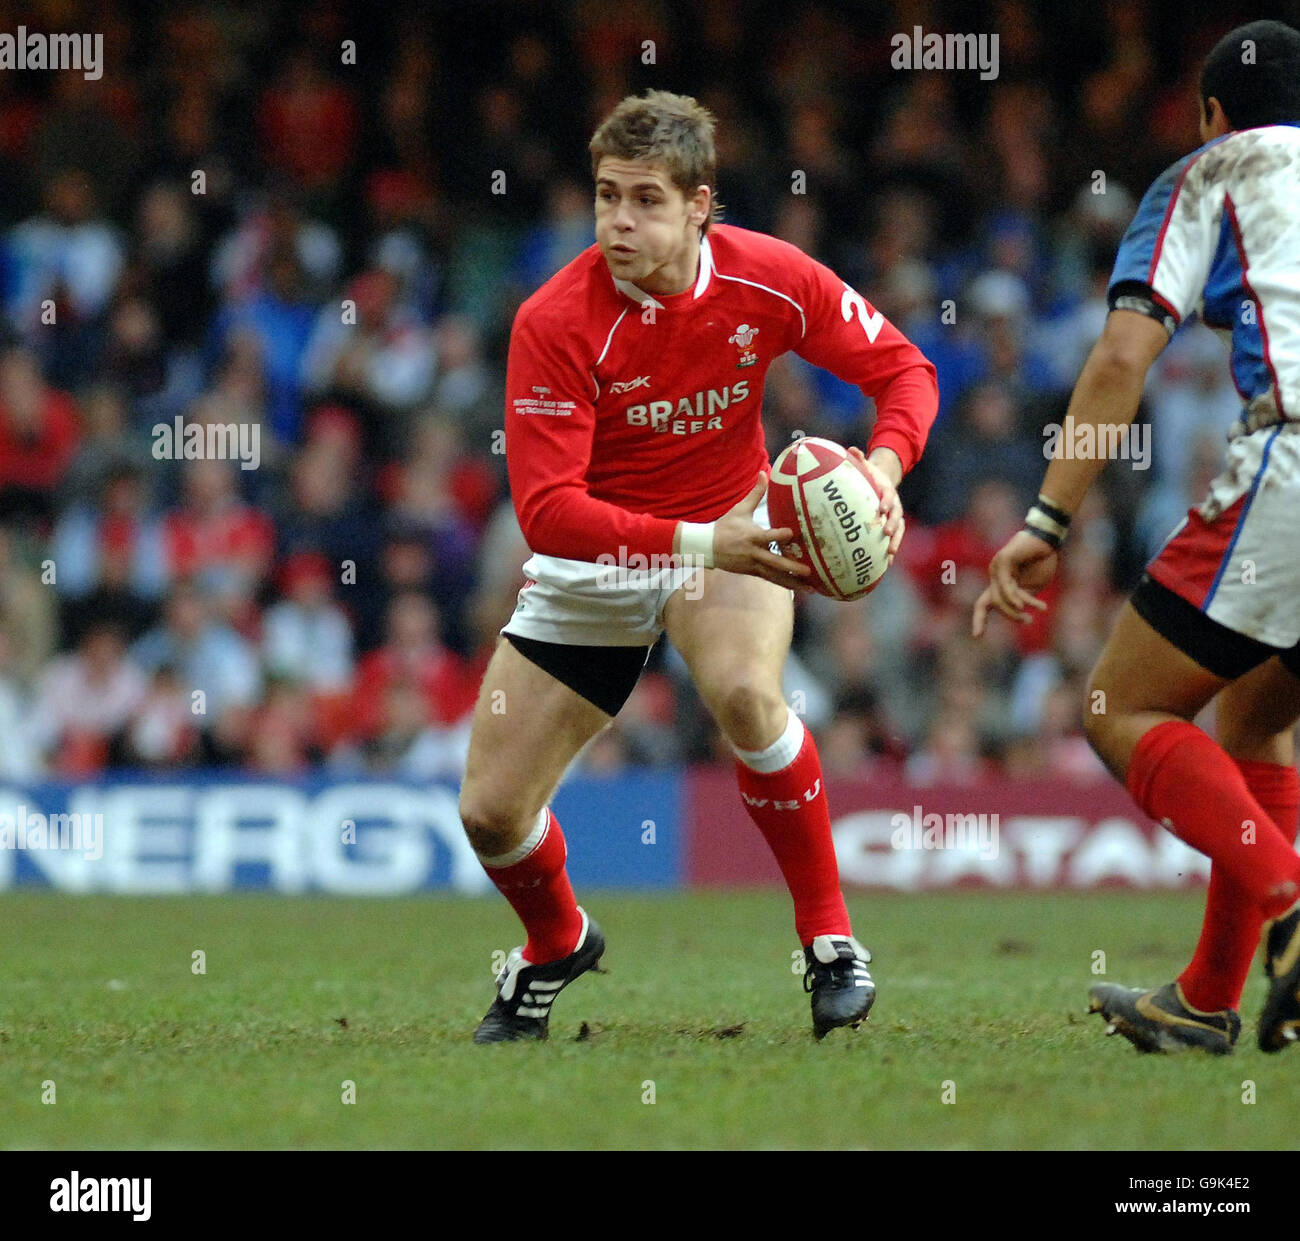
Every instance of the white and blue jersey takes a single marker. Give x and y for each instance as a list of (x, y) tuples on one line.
[(1219, 233)]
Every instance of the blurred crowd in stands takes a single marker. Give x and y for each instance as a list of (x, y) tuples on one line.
[(181, 239)]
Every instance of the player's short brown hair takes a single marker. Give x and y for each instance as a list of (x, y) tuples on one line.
[(672, 130)]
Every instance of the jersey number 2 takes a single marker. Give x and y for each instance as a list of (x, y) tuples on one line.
[(852, 303)]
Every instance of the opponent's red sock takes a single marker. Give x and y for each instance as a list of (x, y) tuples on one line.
[(782, 790), (533, 879), (1183, 778), (1230, 934)]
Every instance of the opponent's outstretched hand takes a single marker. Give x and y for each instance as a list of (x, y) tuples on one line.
[(1024, 564)]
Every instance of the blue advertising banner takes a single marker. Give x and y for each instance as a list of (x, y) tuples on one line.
[(212, 832)]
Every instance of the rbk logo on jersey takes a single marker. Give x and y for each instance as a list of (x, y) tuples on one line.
[(626, 385)]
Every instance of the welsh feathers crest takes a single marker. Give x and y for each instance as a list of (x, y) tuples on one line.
[(744, 336)]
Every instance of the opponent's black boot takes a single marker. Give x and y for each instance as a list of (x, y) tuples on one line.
[(1161, 1020), (1279, 1023)]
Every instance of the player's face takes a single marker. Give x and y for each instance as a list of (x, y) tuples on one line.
[(647, 229)]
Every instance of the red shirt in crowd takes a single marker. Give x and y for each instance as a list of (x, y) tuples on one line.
[(236, 535), (38, 461), (448, 683)]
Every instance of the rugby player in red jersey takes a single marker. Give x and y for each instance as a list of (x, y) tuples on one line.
[(634, 442)]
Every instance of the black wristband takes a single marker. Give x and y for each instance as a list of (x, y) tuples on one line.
[(1050, 537), (1058, 515), (1146, 305)]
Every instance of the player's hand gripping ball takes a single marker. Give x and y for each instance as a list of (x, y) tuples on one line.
[(821, 493)]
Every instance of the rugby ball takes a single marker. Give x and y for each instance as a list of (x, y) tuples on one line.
[(827, 499)]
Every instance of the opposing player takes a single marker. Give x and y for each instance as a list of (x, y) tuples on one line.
[(634, 391), (1218, 610)]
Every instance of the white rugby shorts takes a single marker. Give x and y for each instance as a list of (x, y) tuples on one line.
[(1235, 555), (578, 603)]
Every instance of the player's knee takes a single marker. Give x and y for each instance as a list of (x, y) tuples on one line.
[(1242, 740), (492, 828), (751, 714), (1235, 735)]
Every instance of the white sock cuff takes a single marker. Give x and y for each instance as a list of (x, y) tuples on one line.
[(526, 846), (780, 754)]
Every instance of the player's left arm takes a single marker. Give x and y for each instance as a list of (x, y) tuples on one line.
[(1107, 394), (1158, 280), (1159, 277), (850, 338)]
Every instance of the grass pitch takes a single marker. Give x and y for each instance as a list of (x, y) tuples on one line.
[(982, 1001)]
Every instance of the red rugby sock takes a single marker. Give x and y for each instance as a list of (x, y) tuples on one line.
[(789, 807), (1230, 934), (537, 887), (1184, 779)]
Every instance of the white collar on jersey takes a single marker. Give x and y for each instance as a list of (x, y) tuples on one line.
[(628, 289)]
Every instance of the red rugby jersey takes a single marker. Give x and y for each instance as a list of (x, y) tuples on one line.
[(626, 413)]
